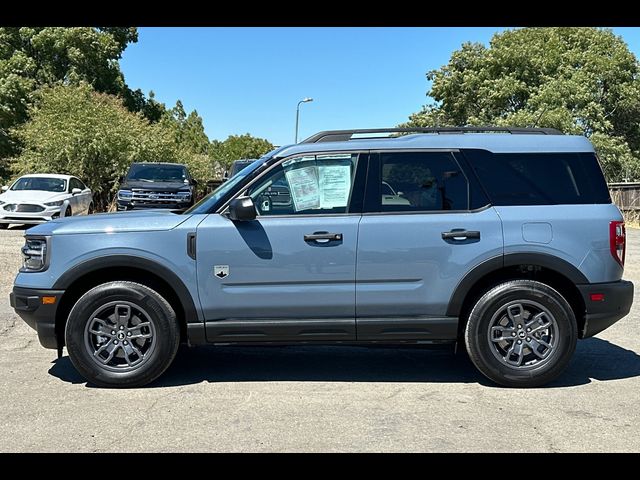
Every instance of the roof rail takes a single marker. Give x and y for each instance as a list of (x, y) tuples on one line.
[(346, 135)]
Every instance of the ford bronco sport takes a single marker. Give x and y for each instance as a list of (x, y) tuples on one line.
[(504, 240)]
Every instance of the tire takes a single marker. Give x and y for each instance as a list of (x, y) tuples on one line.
[(492, 334), (140, 351), (4, 226), (68, 212)]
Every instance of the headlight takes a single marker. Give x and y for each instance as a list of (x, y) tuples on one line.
[(55, 204), (35, 254), (184, 196), (124, 194)]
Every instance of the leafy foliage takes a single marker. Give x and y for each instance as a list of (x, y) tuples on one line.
[(190, 141), (237, 147), (78, 131), (578, 80), (32, 58)]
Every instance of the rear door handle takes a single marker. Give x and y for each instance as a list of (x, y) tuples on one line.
[(461, 235), (322, 237)]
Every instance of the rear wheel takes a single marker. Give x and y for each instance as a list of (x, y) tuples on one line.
[(122, 334), (521, 333)]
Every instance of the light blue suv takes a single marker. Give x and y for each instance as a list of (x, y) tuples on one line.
[(501, 239)]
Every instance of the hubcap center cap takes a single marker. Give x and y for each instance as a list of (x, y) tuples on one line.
[(521, 334), (121, 336)]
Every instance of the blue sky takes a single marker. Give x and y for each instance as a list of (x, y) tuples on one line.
[(249, 80)]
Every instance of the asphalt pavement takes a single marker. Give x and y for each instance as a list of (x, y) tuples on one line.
[(318, 399)]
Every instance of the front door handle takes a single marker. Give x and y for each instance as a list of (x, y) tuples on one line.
[(322, 237), (461, 235)]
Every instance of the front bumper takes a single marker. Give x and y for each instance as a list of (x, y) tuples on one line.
[(29, 218), (601, 314), (127, 205), (27, 302)]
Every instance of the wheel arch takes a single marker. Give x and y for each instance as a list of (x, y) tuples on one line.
[(86, 275), (551, 270)]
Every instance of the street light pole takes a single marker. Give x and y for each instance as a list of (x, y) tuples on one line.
[(304, 100)]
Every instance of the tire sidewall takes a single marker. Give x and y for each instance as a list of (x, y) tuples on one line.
[(163, 319), (478, 334)]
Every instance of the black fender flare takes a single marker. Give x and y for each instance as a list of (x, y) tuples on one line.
[(131, 261), (490, 265)]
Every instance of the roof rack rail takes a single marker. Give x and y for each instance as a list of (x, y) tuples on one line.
[(346, 135)]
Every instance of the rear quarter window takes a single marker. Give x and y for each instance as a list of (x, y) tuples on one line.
[(539, 178)]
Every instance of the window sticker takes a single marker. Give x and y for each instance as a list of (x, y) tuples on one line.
[(335, 184), (304, 187)]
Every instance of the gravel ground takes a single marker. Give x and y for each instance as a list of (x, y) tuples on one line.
[(318, 399)]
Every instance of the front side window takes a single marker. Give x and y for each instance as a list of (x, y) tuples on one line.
[(313, 184), (75, 183), (420, 182)]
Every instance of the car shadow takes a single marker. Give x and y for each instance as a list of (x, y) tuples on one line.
[(594, 359)]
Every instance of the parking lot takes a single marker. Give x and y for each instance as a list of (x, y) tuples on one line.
[(238, 399)]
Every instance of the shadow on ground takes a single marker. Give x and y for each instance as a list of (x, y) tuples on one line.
[(594, 359)]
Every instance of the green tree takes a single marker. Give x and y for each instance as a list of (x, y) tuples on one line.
[(31, 58), (78, 131), (190, 141), (578, 80), (236, 147)]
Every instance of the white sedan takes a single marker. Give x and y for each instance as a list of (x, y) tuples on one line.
[(39, 198)]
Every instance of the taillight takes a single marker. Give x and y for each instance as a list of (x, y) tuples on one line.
[(617, 241)]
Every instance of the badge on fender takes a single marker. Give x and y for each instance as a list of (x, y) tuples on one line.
[(221, 271)]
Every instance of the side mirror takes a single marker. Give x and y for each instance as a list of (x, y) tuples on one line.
[(76, 191), (5, 188), (121, 179), (242, 209), (194, 181)]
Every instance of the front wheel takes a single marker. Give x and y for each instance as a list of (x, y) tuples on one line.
[(521, 333), (122, 334)]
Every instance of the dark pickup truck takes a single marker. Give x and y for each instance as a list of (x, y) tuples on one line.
[(156, 185)]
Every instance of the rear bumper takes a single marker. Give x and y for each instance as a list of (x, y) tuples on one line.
[(618, 297), (27, 302)]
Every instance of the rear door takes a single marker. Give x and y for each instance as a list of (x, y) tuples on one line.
[(425, 225)]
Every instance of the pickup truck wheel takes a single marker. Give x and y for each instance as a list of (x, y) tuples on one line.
[(521, 333), (122, 334)]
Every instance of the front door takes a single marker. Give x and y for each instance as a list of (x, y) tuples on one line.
[(289, 274), (422, 230)]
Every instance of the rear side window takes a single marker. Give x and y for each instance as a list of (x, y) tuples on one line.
[(420, 182), (540, 178)]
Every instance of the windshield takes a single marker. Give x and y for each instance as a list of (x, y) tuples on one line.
[(207, 203), (157, 173), (41, 183)]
